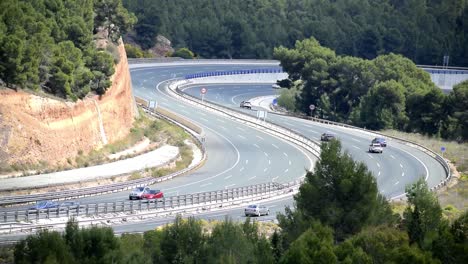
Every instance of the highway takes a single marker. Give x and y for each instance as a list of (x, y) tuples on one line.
[(239, 155)]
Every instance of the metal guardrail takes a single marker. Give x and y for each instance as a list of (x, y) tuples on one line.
[(233, 72), (268, 127), (86, 210), (109, 188)]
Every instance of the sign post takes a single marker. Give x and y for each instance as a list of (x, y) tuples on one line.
[(442, 149), (203, 92), (312, 108)]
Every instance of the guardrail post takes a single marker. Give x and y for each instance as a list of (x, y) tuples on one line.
[(114, 206), (131, 206), (139, 205), (96, 208), (5, 216)]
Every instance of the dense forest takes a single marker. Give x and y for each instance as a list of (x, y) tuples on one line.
[(388, 92), (422, 30), (49, 44), (339, 217)]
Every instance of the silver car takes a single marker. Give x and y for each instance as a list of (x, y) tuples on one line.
[(375, 148), (138, 192), (256, 210)]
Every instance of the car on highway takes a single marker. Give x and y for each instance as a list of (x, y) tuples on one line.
[(153, 194), (69, 205), (246, 104), (380, 141), (276, 86), (40, 205), (138, 192), (256, 210), (327, 137), (375, 148)]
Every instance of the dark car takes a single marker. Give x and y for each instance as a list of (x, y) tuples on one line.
[(153, 194), (327, 137), (44, 205), (245, 104), (381, 141)]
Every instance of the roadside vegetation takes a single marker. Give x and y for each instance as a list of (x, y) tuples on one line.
[(339, 217), (52, 47), (388, 92)]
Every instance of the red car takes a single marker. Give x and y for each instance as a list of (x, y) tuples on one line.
[(152, 194)]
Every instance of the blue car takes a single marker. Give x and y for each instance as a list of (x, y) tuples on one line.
[(44, 205), (381, 141)]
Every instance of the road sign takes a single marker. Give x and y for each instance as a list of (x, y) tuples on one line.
[(312, 107), (203, 90), (442, 149), (275, 101)]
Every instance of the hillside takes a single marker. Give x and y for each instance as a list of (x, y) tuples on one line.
[(38, 129)]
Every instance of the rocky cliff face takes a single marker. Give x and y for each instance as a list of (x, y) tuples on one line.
[(36, 128)]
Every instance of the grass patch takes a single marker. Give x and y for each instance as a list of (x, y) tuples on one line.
[(186, 155)]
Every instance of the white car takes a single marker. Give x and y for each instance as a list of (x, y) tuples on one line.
[(138, 192), (256, 210), (375, 148)]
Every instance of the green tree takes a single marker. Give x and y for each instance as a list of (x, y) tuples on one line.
[(183, 53), (341, 193), (423, 216), (315, 245), (182, 241), (45, 247), (383, 106)]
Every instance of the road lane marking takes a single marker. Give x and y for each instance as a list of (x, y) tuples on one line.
[(355, 140), (378, 165), (230, 185), (402, 174), (290, 162), (223, 127), (356, 147), (396, 183), (401, 165), (315, 132), (370, 156), (219, 120), (424, 165), (264, 170), (246, 161), (259, 137), (266, 154), (285, 154), (241, 129), (274, 146), (269, 162), (227, 177), (241, 136), (251, 178), (204, 119), (256, 145), (203, 114), (241, 169), (392, 156), (379, 174), (275, 178), (206, 184), (289, 124), (286, 170)]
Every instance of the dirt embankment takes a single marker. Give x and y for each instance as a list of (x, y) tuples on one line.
[(37, 129)]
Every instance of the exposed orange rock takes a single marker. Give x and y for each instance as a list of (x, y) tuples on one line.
[(35, 128)]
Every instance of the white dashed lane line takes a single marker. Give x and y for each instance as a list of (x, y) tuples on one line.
[(269, 162), (259, 137), (266, 154), (401, 165), (392, 156), (251, 178), (286, 170), (274, 146), (285, 154), (378, 174), (315, 132), (219, 120), (378, 165), (241, 129), (241, 169), (227, 177), (355, 140), (230, 185), (241, 136), (356, 147), (206, 184), (370, 156), (290, 162), (256, 145), (396, 183), (264, 170), (204, 119), (402, 174), (246, 161), (203, 114)]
